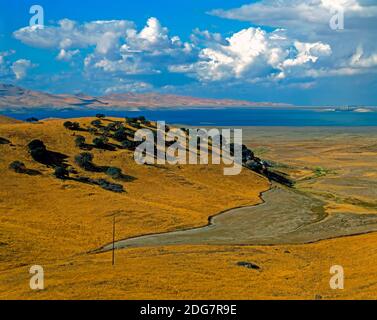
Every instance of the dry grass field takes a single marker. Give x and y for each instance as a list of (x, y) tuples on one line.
[(55, 223)]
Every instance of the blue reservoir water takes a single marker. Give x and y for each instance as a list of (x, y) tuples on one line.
[(265, 116)]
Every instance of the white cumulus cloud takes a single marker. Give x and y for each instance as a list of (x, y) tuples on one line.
[(70, 34), (308, 21), (148, 51), (253, 53), (21, 67)]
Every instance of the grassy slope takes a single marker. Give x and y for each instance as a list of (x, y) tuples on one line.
[(7, 120), (49, 222)]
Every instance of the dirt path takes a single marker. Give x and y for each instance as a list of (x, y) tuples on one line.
[(286, 216)]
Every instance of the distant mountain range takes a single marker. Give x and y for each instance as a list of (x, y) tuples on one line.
[(16, 97)]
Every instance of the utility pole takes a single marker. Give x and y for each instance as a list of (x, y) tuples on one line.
[(113, 257)]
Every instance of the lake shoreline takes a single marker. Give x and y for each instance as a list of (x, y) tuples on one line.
[(218, 116)]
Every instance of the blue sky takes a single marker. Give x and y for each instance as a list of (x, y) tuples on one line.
[(268, 50)]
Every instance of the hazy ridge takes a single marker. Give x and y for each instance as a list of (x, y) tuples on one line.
[(16, 97)]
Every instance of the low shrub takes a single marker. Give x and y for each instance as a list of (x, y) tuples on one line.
[(120, 134), (80, 141), (112, 126), (84, 160), (100, 142), (92, 130), (127, 144), (61, 173), (136, 125), (32, 119), (114, 172), (18, 166), (96, 123)]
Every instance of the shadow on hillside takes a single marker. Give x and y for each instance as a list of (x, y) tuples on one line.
[(126, 178), (32, 172), (91, 167), (107, 147), (50, 158), (19, 167), (4, 141), (104, 184)]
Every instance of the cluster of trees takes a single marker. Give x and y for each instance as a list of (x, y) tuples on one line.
[(113, 126), (101, 142), (136, 119), (121, 135), (136, 122), (84, 160), (113, 130), (39, 152), (71, 125)]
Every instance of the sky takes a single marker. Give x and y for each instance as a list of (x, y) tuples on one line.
[(307, 52)]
